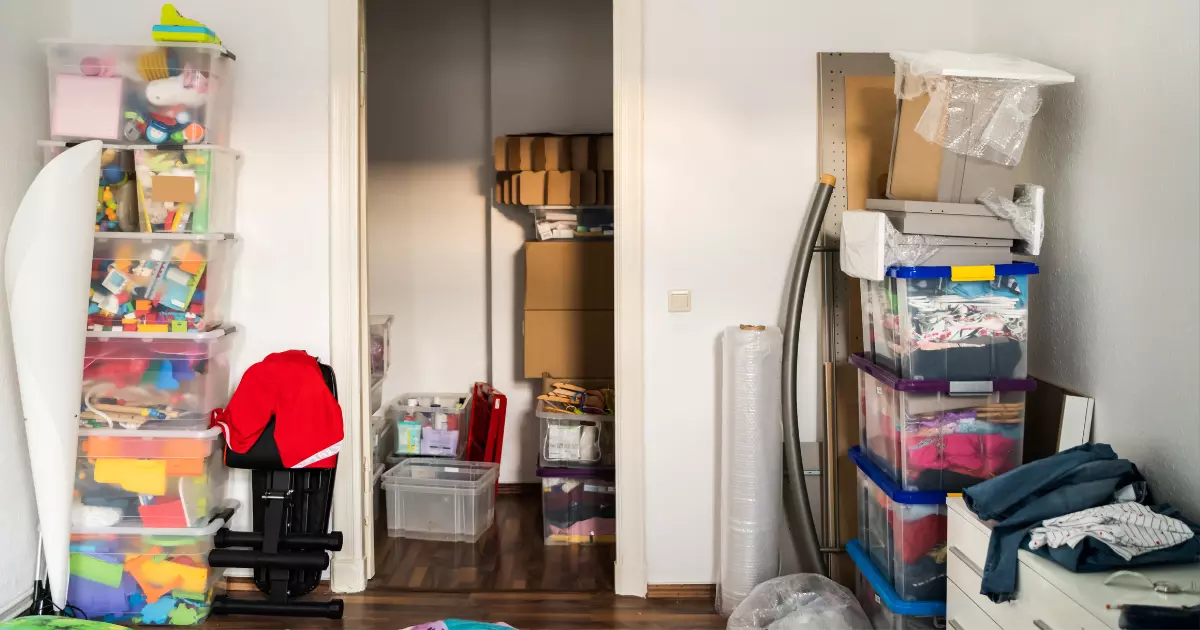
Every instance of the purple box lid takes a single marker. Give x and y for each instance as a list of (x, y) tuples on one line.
[(607, 474), (889, 378)]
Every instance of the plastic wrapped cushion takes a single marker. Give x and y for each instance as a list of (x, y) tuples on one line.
[(804, 601), (1025, 212), (870, 244), (980, 105)]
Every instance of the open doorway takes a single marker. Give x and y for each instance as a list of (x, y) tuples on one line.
[(449, 241)]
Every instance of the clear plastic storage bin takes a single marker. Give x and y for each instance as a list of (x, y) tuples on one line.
[(430, 424), (117, 195), (579, 505), (190, 189), (383, 442), (576, 440), (177, 93), (158, 282), (160, 379), (940, 435), (146, 478), (144, 576), (376, 394), (904, 533), (883, 607), (949, 323), (381, 345), (435, 499)]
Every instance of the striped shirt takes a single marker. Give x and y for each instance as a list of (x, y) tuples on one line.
[(1130, 529)]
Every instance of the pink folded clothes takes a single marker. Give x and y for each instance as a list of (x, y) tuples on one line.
[(986, 454), (590, 527)]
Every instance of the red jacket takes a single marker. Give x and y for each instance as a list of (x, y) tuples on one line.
[(308, 420)]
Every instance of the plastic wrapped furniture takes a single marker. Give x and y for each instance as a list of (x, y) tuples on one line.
[(799, 602), (940, 435), (904, 533), (289, 547), (870, 244), (883, 606)]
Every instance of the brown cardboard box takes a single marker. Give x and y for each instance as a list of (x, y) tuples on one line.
[(583, 152), (571, 188), (552, 153), (604, 153), (520, 153), (531, 188), (605, 189), (569, 342), (500, 153), (568, 275)]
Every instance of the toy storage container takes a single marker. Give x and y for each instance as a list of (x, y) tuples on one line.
[(436, 499), (579, 505), (158, 282), (176, 93), (190, 189), (383, 442), (168, 380), (144, 576), (883, 607), (376, 394), (430, 424), (949, 323), (146, 478), (904, 533), (940, 435), (116, 197), (381, 345), (576, 440)]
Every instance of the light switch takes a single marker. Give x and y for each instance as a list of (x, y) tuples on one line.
[(679, 302)]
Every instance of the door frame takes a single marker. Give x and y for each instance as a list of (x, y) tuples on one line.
[(349, 311)]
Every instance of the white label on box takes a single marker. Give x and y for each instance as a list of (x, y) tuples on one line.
[(563, 442), (451, 469), (604, 489)]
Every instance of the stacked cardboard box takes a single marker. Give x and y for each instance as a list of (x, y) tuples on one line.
[(569, 309), (554, 170)]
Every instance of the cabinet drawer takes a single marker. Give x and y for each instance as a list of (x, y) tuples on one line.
[(967, 538), (1049, 608), (967, 577), (963, 614)]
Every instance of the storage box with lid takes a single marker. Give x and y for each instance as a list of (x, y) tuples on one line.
[(150, 477), (188, 189), (178, 93), (576, 440), (172, 379), (144, 282), (144, 575), (885, 609), (940, 435), (430, 424), (438, 499), (949, 323), (579, 505), (903, 532), (380, 329)]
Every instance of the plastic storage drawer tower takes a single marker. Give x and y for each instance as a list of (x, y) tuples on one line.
[(149, 481)]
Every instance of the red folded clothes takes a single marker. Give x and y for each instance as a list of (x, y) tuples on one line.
[(288, 386)]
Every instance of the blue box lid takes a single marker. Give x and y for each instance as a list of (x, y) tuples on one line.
[(891, 488), (884, 589), (1012, 269)]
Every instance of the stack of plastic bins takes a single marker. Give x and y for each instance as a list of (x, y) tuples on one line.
[(438, 499), (904, 533), (940, 435), (143, 575), (949, 323), (430, 424), (380, 329), (579, 505), (885, 609), (576, 440)]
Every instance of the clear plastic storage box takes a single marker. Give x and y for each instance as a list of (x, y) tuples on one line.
[(576, 440), (940, 435), (579, 505), (144, 576), (158, 282), (146, 478), (383, 442), (904, 533), (381, 345), (164, 379), (949, 323), (883, 606), (117, 194), (436, 499), (190, 189), (430, 424), (179, 93)]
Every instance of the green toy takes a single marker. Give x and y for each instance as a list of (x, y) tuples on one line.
[(96, 570)]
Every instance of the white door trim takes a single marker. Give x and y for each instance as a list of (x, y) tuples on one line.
[(348, 315), (349, 311), (630, 575)]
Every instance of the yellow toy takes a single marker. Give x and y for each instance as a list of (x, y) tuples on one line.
[(173, 27), (142, 476)]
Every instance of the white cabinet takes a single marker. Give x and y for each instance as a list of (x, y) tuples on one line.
[(1049, 597)]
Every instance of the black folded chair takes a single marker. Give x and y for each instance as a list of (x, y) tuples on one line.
[(289, 546)]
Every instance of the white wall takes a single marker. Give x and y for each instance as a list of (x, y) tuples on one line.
[(428, 144), (730, 159), (280, 297), (23, 121), (1115, 305)]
